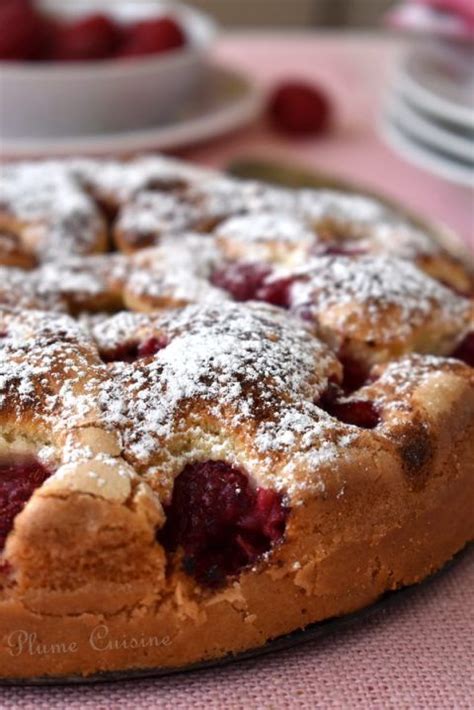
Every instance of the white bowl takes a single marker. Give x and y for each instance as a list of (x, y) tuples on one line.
[(60, 99)]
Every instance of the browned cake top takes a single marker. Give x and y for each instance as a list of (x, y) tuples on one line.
[(345, 270)]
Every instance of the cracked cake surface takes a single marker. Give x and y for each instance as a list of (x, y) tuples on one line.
[(227, 410)]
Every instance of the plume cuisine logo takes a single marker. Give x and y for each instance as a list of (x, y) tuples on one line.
[(21, 642)]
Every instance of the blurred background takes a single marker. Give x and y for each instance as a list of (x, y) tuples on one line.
[(295, 13), (379, 93)]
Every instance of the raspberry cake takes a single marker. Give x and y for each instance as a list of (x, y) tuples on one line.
[(227, 411)]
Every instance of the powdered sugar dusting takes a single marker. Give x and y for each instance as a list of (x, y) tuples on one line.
[(230, 366), (354, 210), (225, 369), (56, 209), (266, 236), (174, 273), (152, 214), (232, 381), (120, 181), (380, 292), (59, 217)]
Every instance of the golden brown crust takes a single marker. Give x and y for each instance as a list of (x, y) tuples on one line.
[(116, 407), (342, 552), (373, 519)]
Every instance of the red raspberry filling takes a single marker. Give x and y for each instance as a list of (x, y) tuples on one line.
[(358, 412), (465, 350), (134, 350), (19, 477), (241, 279), (249, 281), (221, 523), (276, 292), (355, 374)]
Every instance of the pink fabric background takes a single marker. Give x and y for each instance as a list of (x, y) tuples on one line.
[(419, 653)]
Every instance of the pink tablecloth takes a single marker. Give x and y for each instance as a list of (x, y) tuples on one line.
[(418, 654)]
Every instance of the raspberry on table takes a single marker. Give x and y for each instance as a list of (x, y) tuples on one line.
[(298, 108)]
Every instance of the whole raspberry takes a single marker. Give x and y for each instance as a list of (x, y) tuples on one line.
[(91, 37), (21, 30), (152, 37), (221, 523), (299, 109)]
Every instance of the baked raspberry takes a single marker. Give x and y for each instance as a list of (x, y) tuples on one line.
[(465, 350), (276, 292), (152, 37), (242, 280), (221, 523), (134, 350), (298, 108), (92, 37), (19, 477), (359, 412), (151, 346), (21, 30), (355, 374)]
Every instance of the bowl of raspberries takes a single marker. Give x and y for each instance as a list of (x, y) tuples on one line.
[(86, 67)]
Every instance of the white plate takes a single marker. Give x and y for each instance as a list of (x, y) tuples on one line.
[(424, 127), (230, 100), (424, 156), (438, 78)]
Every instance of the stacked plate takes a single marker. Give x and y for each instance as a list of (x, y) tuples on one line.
[(429, 116)]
